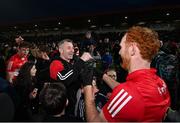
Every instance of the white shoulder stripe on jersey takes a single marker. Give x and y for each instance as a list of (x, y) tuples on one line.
[(115, 98), (118, 102), (122, 105), (61, 77)]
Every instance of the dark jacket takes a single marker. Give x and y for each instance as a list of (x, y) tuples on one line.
[(68, 74)]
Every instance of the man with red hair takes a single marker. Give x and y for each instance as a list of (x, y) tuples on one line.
[(144, 95)]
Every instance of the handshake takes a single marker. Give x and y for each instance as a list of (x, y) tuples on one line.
[(87, 74)]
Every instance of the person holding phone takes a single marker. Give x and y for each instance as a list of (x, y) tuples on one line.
[(26, 91)]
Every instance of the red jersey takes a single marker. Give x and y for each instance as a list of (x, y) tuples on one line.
[(15, 63), (143, 97)]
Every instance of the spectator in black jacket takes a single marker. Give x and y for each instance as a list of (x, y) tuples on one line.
[(25, 87), (66, 70)]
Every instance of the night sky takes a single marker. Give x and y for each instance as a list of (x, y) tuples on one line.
[(27, 10)]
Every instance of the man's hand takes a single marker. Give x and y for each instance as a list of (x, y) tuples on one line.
[(86, 56), (45, 56), (87, 76), (33, 94)]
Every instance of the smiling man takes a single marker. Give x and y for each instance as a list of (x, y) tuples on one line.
[(144, 96), (66, 70)]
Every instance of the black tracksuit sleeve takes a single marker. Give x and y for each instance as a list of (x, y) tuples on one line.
[(65, 72)]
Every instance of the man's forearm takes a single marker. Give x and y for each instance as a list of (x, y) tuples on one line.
[(92, 114), (109, 81)]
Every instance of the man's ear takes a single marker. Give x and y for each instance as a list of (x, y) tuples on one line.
[(132, 49), (60, 50)]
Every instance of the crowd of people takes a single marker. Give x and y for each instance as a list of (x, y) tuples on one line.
[(89, 80)]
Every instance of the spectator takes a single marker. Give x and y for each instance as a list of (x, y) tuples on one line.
[(107, 59), (107, 44), (112, 73), (76, 49), (7, 88), (144, 96), (54, 100), (172, 116), (42, 65), (26, 91), (115, 54), (85, 44), (100, 100), (66, 70), (7, 108), (16, 61), (106, 90), (15, 46), (94, 52), (19, 40), (166, 64)]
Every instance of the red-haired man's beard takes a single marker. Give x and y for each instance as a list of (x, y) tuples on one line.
[(125, 62)]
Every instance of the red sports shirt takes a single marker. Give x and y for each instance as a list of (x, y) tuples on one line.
[(143, 97), (15, 63)]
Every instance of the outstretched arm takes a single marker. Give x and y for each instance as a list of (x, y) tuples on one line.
[(109, 81), (92, 115)]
